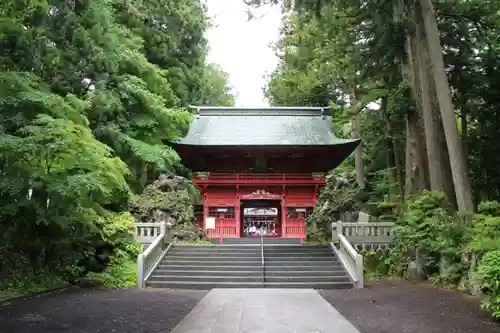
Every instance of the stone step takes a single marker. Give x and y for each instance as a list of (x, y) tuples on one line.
[(256, 240), (315, 263), (279, 269), (216, 247), (251, 246), (214, 254), (206, 278), (225, 262), (251, 255), (206, 262), (212, 285), (243, 279), (307, 278), (222, 271), (214, 267), (281, 259), (212, 258)]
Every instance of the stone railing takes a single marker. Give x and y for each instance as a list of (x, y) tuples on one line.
[(147, 232), (365, 235), (149, 259), (350, 259), (351, 238)]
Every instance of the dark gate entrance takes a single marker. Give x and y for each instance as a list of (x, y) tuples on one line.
[(261, 218)]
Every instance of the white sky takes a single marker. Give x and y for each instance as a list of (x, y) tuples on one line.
[(241, 47)]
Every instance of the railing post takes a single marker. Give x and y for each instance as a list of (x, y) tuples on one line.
[(359, 270), (340, 228), (168, 233), (140, 271), (335, 235), (163, 226), (262, 257)]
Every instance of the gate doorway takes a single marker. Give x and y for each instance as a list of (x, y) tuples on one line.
[(261, 218)]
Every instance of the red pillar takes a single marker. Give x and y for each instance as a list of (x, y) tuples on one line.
[(283, 214), (237, 213), (205, 210), (238, 217)]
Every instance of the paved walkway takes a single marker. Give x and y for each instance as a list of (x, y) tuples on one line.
[(384, 307), (264, 311)]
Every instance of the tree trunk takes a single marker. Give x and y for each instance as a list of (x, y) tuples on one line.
[(437, 151), (416, 153), (416, 178), (429, 105), (393, 146), (457, 161), (358, 153)]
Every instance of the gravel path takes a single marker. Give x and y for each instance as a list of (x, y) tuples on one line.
[(403, 307), (91, 311)]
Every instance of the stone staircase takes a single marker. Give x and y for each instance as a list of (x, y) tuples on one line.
[(287, 264), (256, 241)]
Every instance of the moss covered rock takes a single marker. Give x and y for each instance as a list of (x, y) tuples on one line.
[(340, 198), (168, 199)]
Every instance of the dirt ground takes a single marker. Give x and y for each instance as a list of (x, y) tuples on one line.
[(91, 311), (404, 307)]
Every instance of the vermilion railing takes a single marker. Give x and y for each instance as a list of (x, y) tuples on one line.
[(257, 176), (224, 228), (295, 228)]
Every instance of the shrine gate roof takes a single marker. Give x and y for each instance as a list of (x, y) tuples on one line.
[(273, 126)]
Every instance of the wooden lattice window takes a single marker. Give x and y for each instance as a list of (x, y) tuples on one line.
[(299, 212), (221, 212)]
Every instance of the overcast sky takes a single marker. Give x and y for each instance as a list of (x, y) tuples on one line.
[(242, 49)]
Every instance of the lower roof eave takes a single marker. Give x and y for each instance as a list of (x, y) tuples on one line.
[(351, 143)]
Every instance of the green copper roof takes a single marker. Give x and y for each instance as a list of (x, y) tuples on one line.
[(278, 126)]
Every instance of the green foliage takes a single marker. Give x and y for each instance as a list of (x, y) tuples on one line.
[(196, 241), (23, 283), (336, 199), (375, 265), (428, 230), (332, 51), (120, 273), (90, 94), (448, 247), (489, 272), (167, 199)]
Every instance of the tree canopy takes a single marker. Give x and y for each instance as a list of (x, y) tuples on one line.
[(90, 94)]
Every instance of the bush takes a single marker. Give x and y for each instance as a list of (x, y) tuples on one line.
[(447, 247), (374, 264), (427, 233), (489, 272), (121, 271)]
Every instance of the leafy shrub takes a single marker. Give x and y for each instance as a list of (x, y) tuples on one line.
[(489, 272), (374, 264), (121, 271), (448, 247), (428, 233)]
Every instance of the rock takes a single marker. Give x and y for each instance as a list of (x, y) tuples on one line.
[(167, 200), (415, 272)]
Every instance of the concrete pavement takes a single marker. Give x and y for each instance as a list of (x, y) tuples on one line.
[(264, 311)]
